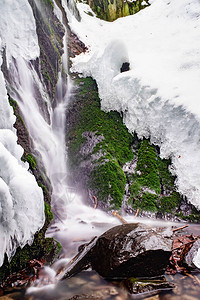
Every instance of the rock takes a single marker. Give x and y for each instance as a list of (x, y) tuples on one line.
[(132, 250), (136, 286), (125, 67), (80, 262)]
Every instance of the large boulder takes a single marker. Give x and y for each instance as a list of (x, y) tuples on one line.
[(132, 250)]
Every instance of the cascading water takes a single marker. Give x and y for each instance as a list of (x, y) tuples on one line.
[(47, 130)]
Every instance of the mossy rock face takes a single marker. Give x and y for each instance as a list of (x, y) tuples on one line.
[(111, 10), (50, 34), (108, 180), (147, 167), (98, 145), (152, 186)]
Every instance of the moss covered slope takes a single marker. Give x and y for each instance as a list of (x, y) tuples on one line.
[(98, 145), (100, 148)]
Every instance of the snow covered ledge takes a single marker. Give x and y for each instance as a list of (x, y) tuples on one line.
[(159, 95)]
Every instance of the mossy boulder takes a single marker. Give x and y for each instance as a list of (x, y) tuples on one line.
[(98, 145), (152, 186), (110, 10)]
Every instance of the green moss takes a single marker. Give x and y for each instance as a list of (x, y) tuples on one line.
[(12, 103), (193, 217), (152, 173), (148, 167), (110, 10), (135, 188), (48, 77), (48, 212), (109, 181), (30, 159), (41, 247), (44, 188), (169, 203), (166, 178), (49, 3), (115, 144), (117, 140), (147, 202), (15, 107)]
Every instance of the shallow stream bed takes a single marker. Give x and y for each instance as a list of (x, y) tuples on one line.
[(89, 285)]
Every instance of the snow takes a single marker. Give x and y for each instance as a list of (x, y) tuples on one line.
[(17, 30), (159, 96), (196, 259), (21, 200)]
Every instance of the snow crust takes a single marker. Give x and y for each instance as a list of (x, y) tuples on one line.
[(17, 30), (159, 96), (196, 259), (21, 200)]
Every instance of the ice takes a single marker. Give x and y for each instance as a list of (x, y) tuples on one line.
[(196, 259), (21, 200), (159, 96), (17, 30)]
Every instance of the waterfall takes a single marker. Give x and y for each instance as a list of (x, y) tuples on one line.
[(45, 121)]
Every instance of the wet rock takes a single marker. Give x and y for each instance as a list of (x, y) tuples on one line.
[(92, 140), (80, 262), (132, 250), (136, 286), (125, 67)]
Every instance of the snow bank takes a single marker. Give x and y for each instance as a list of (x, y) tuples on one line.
[(17, 30), (159, 96), (21, 200)]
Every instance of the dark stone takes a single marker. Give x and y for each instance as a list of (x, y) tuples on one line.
[(132, 250), (80, 262), (136, 286), (125, 67)]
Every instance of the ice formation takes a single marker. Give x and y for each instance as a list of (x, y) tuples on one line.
[(21, 200), (159, 96)]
